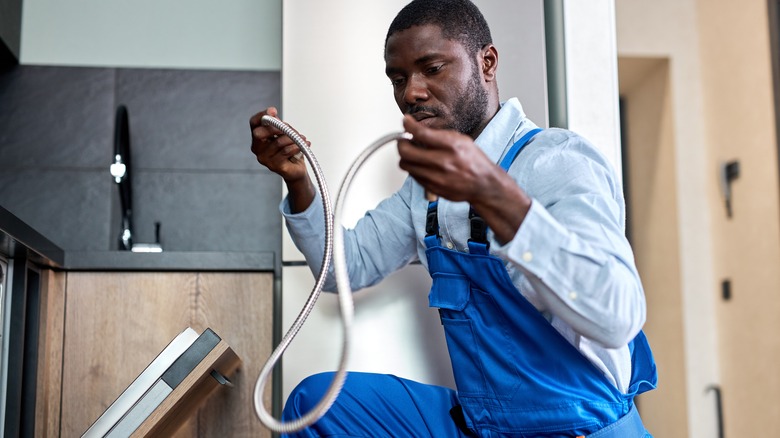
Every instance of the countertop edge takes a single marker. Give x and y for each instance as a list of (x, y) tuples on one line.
[(169, 261), (18, 239), (16, 236)]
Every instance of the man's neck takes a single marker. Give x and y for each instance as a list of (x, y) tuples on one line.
[(486, 122)]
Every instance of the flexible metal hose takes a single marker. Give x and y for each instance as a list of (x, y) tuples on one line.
[(334, 248)]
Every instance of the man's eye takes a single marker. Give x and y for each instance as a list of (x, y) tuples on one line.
[(433, 70), (397, 82)]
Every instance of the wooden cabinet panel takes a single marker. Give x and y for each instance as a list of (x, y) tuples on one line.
[(116, 323), (49, 387), (247, 327)]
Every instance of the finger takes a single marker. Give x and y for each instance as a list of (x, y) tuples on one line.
[(413, 152), (423, 176), (421, 134), (284, 140), (266, 133), (266, 143), (255, 120), (261, 132), (283, 148), (290, 151), (299, 156), (409, 151)]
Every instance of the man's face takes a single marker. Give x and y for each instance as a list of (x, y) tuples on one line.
[(436, 80)]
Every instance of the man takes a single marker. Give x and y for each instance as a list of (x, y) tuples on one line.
[(532, 274)]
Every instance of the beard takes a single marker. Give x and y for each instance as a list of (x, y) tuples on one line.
[(468, 111)]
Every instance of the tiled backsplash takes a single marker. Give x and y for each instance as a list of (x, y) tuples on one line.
[(192, 167)]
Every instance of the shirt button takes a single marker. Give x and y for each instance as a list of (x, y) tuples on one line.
[(573, 295), (449, 245), (527, 256)]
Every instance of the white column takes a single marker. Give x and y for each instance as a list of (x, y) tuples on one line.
[(591, 74)]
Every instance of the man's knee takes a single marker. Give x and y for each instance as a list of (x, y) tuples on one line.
[(306, 395)]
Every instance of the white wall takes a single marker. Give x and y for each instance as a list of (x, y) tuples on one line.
[(591, 75), (237, 34)]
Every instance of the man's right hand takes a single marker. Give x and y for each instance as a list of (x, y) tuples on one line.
[(276, 151)]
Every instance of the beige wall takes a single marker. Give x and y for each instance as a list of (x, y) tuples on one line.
[(668, 29), (740, 122), (654, 233), (720, 108)]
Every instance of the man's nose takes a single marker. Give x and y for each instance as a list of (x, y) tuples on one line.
[(416, 90)]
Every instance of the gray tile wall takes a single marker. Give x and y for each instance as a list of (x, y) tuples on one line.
[(192, 168), (11, 25)]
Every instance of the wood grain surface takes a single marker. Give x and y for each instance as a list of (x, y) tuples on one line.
[(116, 323), (49, 387)]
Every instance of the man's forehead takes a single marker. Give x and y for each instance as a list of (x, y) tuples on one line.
[(418, 41)]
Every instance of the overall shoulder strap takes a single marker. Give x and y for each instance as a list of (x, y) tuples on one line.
[(478, 242), (510, 156)]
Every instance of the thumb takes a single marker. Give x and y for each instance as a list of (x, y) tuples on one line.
[(421, 134), (411, 125)]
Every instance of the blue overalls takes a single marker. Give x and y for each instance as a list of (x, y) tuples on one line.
[(516, 375)]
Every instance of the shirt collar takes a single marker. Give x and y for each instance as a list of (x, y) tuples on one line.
[(504, 129)]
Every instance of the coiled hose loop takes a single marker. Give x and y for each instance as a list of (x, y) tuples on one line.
[(334, 248)]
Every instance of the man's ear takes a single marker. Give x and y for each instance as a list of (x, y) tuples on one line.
[(489, 61)]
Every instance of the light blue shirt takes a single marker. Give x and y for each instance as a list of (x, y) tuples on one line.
[(570, 257)]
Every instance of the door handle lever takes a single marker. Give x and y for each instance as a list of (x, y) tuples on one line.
[(719, 407), (729, 171)]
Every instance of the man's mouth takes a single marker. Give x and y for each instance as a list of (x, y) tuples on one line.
[(421, 113), (420, 116)]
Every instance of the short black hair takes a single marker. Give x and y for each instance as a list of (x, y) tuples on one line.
[(459, 20)]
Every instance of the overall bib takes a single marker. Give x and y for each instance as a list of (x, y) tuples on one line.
[(515, 374)]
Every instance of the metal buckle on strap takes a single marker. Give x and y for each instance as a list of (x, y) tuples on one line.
[(432, 220), (478, 227)]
